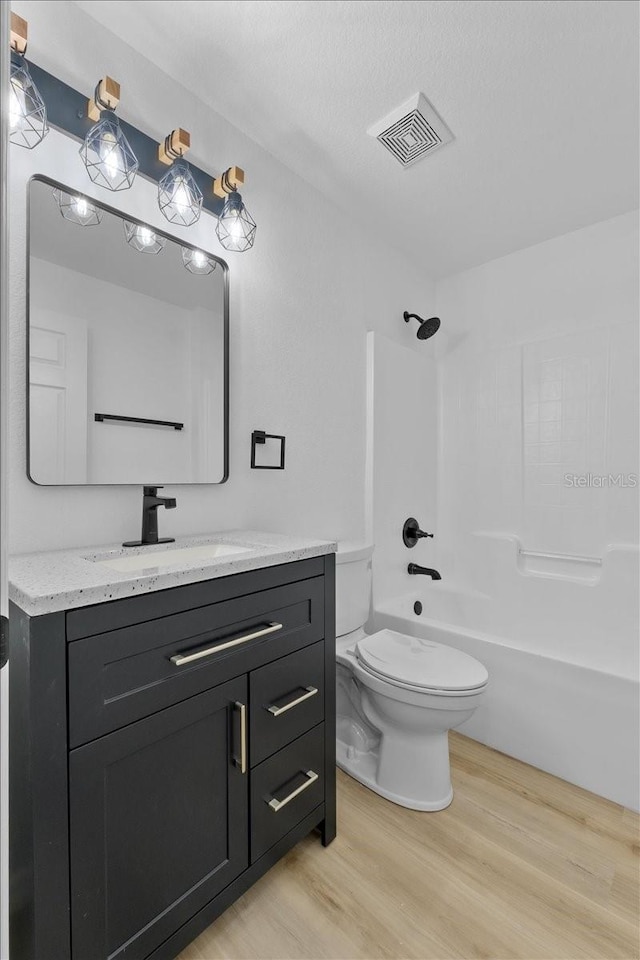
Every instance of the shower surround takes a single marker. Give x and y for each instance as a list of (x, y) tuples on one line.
[(536, 511)]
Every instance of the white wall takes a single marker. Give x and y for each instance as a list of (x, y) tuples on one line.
[(301, 303), (539, 379)]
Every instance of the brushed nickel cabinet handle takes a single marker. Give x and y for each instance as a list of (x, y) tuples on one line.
[(279, 804), (277, 711), (241, 760), (181, 658)]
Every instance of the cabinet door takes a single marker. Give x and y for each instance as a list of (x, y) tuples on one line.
[(158, 823)]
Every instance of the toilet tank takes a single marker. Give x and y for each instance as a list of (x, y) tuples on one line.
[(353, 585)]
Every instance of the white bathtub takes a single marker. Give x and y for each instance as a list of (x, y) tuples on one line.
[(576, 722)]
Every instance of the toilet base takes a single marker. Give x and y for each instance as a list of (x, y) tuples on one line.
[(363, 766)]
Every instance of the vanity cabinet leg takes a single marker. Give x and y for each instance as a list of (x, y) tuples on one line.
[(328, 830)]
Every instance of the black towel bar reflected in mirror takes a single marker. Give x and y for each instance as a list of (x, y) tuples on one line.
[(156, 423)]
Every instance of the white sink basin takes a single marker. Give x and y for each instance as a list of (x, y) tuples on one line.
[(168, 557)]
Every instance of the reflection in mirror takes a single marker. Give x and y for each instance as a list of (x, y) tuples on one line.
[(127, 349)]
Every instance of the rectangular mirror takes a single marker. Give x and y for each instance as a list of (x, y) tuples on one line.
[(127, 347)]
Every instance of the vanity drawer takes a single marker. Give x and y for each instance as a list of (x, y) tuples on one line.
[(286, 698), (285, 788), (122, 675)]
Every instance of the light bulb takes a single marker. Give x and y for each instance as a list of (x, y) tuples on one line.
[(111, 156), (181, 197), (235, 228), (199, 258), (147, 237), (81, 205)]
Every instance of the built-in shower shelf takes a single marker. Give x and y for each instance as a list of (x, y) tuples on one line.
[(562, 565), (577, 567)]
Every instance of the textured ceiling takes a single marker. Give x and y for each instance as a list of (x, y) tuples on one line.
[(542, 98)]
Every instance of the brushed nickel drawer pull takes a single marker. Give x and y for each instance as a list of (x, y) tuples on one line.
[(181, 658), (277, 711), (241, 761), (279, 804)]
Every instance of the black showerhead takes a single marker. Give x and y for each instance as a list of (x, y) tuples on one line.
[(427, 328)]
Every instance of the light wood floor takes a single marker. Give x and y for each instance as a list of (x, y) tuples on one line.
[(521, 865)]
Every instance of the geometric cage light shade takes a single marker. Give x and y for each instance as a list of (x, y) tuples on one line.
[(179, 196), (107, 155), (77, 209), (198, 262), (27, 111), (236, 228), (143, 238)]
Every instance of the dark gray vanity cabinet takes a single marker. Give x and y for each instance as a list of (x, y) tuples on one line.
[(158, 815), (166, 750)]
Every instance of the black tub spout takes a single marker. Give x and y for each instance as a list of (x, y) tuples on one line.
[(415, 569)]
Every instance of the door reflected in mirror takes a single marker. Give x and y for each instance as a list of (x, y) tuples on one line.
[(127, 346)]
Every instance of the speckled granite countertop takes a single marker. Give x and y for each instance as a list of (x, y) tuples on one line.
[(62, 579)]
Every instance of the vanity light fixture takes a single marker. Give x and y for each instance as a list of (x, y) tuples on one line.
[(236, 228), (142, 238), (27, 111), (179, 196), (106, 153), (198, 262), (77, 209)]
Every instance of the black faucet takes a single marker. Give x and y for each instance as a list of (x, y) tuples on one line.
[(150, 503), (415, 568)]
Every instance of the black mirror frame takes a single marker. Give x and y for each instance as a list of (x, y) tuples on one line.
[(54, 184)]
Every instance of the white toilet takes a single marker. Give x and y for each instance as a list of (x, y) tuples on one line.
[(397, 697)]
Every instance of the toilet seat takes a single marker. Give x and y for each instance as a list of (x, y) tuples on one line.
[(420, 665)]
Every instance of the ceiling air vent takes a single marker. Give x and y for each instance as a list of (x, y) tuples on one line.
[(411, 131)]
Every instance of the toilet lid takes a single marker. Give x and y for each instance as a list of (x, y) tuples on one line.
[(420, 663)]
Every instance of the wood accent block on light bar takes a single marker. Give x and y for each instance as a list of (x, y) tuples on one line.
[(19, 28), (109, 93), (234, 176), (175, 146)]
